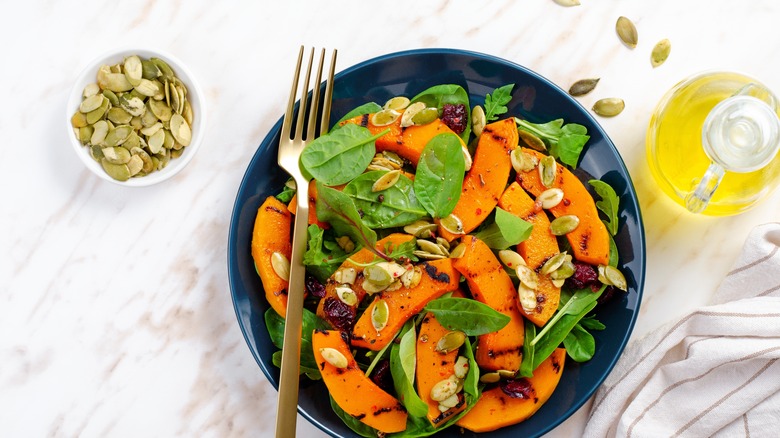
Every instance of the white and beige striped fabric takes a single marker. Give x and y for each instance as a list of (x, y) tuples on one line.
[(715, 372)]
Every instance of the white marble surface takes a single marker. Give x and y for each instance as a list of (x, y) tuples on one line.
[(115, 311)]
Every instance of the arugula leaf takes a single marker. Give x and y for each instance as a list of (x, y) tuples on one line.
[(439, 177), (366, 108), (609, 204), (527, 366), (339, 156), (323, 257), (466, 315), (565, 142), (285, 196), (438, 95), (275, 325), (403, 361), (393, 207), (507, 230), (353, 423), (338, 209), (495, 104), (402, 252), (580, 345)]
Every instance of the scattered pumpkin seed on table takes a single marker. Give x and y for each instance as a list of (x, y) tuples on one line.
[(627, 32), (660, 52), (609, 107), (135, 117), (583, 86)]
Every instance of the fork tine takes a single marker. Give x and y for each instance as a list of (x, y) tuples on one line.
[(287, 124), (325, 123), (315, 99), (304, 98)]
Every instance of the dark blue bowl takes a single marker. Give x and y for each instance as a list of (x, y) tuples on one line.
[(535, 98)]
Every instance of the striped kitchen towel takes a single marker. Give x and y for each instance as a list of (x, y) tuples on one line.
[(713, 373)]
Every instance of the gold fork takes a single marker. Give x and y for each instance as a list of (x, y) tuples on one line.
[(289, 153)]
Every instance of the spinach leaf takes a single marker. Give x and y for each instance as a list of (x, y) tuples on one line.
[(403, 361), (338, 209), (507, 230), (311, 373), (613, 253), (393, 207), (495, 104), (468, 316), (609, 204), (353, 423), (339, 156), (527, 366), (439, 177), (565, 142), (275, 325), (439, 95), (323, 257), (285, 196), (366, 108), (380, 354), (577, 301), (579, 344), (591, 323)]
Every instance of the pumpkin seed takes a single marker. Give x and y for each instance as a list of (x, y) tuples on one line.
[(461, 367), (118, 135), (660, 52), (458, 252), (478, 120), (627, 32), (281, 265), (372, 288), (100, 133), (449, 403), (614, 277), (346, 295), (527, 297), (119, 116), (156, 141), (409, 112), (377, 275), (451, 341), (425, 116), (609, 107), (380, 315), (428, 256), (467, 157), (135, 165), (160, 110), (334, 357), (384, 182), (133, 105), (490, 377), (133, 70), (96, 152), (452, 224), (568, 3), (445, 388), (187, 113), (148, 88), (397, 103), (522, 161), (79, 120), (583, 86), (174, 102), (165, 69), (443, 244), (345, 276), (548, 168), (411, 277), (119, 172), (565, 271), (147, 160), (180, 130), (550, 198), (97, 114), (420, 228), (151, 130), (532, 140), (90, 90), (558, 282), (564, 225), (385, 117), (511, 258), (527, 276), (91, 103), (112, 97), (85, 133), (430, 247), (553, 263), (149, 70), (169, 143)]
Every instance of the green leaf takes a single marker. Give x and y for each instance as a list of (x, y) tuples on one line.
[(568, 148), (311, 373), (591, 323), (275, 325), (366, 108), (323, 257), (613, 253), (572, 305), (353, 423), (466, 315), (507, 230), (403, 360), (341, 155), (527, 366), (439, 176), (564, 142), (285, 196), (580, 345), (402, 252), (439, 95), (340, 212), (393, 207), (609, 204), (495, 104)]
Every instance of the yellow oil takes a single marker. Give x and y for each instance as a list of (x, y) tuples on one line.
[(676, 155)]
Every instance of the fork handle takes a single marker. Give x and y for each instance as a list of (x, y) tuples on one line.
[(287, 413)]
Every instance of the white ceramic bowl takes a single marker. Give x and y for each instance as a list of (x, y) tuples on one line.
[(194, 96)]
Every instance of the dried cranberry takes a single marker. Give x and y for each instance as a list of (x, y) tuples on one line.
[(382, 377), (454, 116), (518, 388), (314, 287), (584, 275), (340, 315)]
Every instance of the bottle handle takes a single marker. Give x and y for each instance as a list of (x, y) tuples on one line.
[(697, 200)]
